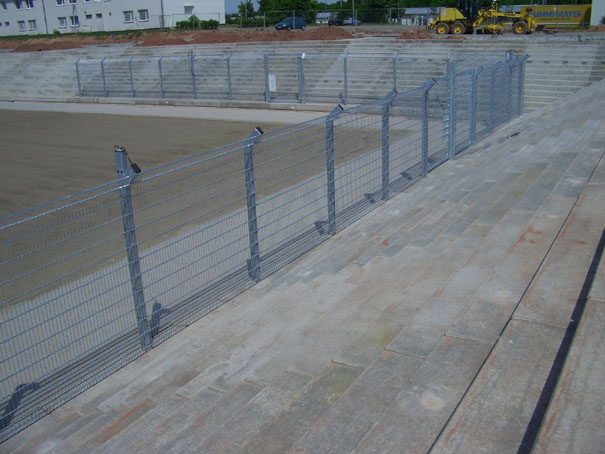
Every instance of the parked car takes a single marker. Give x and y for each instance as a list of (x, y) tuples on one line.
[(351, 21), (291, 23), (335, 21)]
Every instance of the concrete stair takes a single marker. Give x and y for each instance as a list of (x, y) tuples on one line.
[(430, 324)]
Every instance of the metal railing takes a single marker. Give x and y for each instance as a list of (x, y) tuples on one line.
[(346, 78), (94, 280)]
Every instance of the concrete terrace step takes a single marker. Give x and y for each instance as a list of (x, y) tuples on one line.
[(436, 315)]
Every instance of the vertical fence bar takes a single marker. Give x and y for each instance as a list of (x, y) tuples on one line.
[(330, 169), (473, 107), (192, 64), (395, 70), (136, 281), (132, 92), (103, 76), (229, 91), (386, 106), (425, 125), (267, 93), (301, 78), (509, 90), (451, 137), (345, 98), (161, 76), (492, 96), (521, 85), (78, 76), (254, 260)]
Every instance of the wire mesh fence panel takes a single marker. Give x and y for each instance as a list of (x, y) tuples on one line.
[(324, 78), (283, 73), (90, 77), (484, 123), (66, 313), (413, 70), (146, 78), (369, 77), (464, 106), (117, 78), (211, 76), (438, 123), (248, 77), (291, 197), (177, 77)]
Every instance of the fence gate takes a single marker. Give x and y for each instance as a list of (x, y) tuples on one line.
[(284, 77)]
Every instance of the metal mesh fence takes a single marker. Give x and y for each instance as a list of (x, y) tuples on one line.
[(94, 280)]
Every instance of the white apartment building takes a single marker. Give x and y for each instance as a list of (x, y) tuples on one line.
[(30, 17)]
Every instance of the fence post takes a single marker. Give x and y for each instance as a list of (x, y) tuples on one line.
[(451, 138), (425, 125), (78, 76), (473, 106), (301, 78), (386, 105), (253, 262), (492, 99), (346, 93), (331, 189), (395, 70), (132, 92), (103, 76), (136, 281), (267, 93), (509, 85), (161, 77), (229, 91), (521, 85), (192, 64)]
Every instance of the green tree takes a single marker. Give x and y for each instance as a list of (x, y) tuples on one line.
[(246, 9)]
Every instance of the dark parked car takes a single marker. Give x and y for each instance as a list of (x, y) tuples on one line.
[(351, 21), (335, 21), (291, 23)]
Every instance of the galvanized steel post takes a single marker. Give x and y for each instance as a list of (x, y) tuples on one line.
[(521, 85), (331, 188), (253, 262), (126, 175), (386, 107), (346, 92), (509, 87), (425, 125), (78, 76), (103, 76), (395, 70), (229, 92), (451, 136), (267, 93), (132, 92), (473, 107), (192, 67), (301, 78), (161, 76)]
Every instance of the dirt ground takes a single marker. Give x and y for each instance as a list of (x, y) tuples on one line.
[(48, 155)]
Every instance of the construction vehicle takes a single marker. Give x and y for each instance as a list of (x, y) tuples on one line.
[(468, 17)]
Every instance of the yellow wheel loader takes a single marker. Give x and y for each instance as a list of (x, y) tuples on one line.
[(467, 17)]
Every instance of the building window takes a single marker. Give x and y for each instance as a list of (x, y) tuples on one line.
[(7, 24), (32, 25), (18, 4), (62, 22), (21, 25), (4, 7), (89, 17), (60, 2), (75, 21), (143, 15), (99, 16), (73, 2), (128, 16), (29, 4), (188, 9)]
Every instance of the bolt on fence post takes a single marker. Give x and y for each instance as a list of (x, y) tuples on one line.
[(132, 92), (267, 93), (425, 125), (386, 107), (161, 77), (301, 78), (229, 91), (331, 189), (473, 107), (521, 85), (78, 76), (134, 268), (103, 76), (253, 262), (451, 138), (192, 66), (346, 83), (395, 70)]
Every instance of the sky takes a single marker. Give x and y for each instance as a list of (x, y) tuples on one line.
[(231, 6)]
